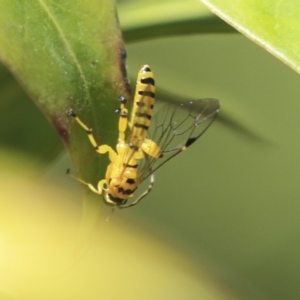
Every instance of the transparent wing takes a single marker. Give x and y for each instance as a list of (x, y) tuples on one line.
[(175, 127)]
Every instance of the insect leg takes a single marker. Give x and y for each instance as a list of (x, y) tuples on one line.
[(141, 196), (107, 149), (88, 130), (100, 149), (123, 120), (91, 187), (151, 148)]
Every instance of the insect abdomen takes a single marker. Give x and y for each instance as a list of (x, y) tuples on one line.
[(142, 106)]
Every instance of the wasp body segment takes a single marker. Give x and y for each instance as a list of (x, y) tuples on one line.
[(142, 107), (151, 142)]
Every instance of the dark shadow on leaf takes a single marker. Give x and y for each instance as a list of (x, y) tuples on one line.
[(209, 25)]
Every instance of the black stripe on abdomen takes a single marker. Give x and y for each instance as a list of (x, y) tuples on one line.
[(148, 80), (143, 115), (146, 93), (140, 125)]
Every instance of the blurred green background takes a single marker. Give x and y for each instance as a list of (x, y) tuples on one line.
[(231, 202), (233, 198)]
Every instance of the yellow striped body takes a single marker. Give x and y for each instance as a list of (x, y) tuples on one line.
[(122, 174), (142, 106)]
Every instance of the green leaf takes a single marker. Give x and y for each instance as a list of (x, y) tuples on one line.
[(274, 25), (67, 55)]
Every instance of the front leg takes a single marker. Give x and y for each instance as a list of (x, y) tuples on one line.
[(88, 130), (123, 119), (107, 149), (98, 190), (100, 149)]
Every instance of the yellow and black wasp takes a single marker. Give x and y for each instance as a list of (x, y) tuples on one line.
[(151, 142)]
